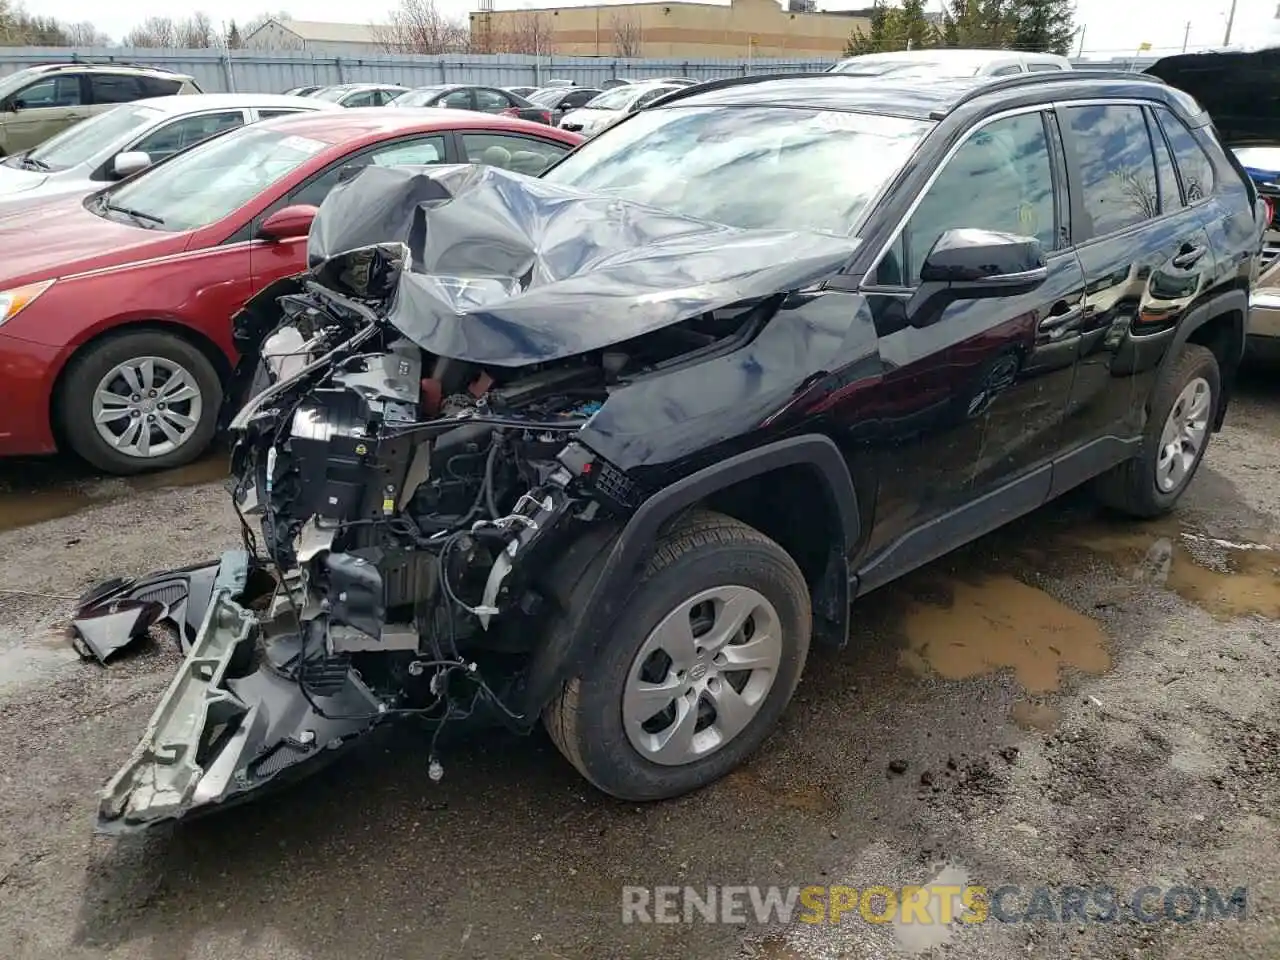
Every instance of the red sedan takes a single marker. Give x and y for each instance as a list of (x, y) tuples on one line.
[(115, 332)]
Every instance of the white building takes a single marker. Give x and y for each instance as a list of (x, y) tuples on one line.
[(314, 36)]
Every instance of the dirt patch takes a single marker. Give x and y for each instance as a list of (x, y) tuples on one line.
[(1035, 716), (1001, 623), (31, 493)]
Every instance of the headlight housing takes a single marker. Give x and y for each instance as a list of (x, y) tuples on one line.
[(14, 301)]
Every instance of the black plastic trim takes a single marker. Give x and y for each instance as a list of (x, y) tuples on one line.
[(620, 565)]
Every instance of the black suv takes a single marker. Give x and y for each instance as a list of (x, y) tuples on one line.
[(609, 446)]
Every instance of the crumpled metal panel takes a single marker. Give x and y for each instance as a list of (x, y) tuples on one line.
[(509, 270)]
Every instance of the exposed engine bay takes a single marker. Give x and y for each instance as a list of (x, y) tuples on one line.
[(400, 506)]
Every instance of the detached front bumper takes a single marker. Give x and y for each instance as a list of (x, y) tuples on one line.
[(233, 719)]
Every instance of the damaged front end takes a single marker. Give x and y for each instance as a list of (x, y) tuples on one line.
[(416, 456)]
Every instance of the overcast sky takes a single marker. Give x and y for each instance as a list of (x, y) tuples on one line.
[(1113, 26)]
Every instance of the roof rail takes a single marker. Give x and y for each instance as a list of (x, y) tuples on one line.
[(696, 88), (1015, 80), (76, 60)]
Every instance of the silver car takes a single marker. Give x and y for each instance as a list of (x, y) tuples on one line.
[(612, 105), (130, 138)]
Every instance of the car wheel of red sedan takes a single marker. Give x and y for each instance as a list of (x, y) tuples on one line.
[(140, 401)]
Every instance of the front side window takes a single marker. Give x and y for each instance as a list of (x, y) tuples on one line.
[(521, 154), (87, 139), (458, 100), (115, 88), (208, 182), (578, 98), (186, 132), (616, 99), (1117, 168), (652, 95), (1001, 179), (1194, 165), (63, 91), (772, 167)]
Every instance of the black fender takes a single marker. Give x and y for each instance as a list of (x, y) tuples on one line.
[(617, 563), (1226, 302)]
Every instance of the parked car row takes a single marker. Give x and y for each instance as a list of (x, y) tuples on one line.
[(132, 237)]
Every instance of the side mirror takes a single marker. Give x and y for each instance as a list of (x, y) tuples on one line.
[(130, 162), (971, 264), (14, 105), (289, 223)]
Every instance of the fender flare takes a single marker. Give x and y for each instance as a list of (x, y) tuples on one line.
[(620, 562), (1229, 301)]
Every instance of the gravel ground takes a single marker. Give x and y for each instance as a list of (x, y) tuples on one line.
[(1072, 701)]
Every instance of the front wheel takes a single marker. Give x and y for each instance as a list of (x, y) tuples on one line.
[(1177, 435), (702, 661), (140, 401)]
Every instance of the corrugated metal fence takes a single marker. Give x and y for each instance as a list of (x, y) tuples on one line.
[(256, 71)]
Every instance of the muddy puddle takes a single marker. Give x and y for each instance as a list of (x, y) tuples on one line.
[(32, 491), (1225, 577), (996, 623), (965, 625)]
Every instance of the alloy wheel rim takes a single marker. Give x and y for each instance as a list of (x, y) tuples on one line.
[(702, 675), (147, 407), (1183, 438)]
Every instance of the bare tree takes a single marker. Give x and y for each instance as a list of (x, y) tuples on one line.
[(528, 32), (153, 32), (1139, 192), (196, 32), (628, 36), (419, 26), (85, 34)]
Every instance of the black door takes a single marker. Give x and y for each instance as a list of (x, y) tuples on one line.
[(973, 391), (1146, 257)]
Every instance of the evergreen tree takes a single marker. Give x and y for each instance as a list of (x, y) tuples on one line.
[(1044, 26), (894, 28), (234, 41)]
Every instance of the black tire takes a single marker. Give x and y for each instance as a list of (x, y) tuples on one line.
[(703, 551), (86, 370), (1131, 488)]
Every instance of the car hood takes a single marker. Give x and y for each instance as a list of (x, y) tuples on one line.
[(590, 115), (485, 265), (59, 237), (19, 181), (1235, 86)]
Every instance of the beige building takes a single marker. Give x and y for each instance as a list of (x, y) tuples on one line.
[(326, 39), (702, 31)]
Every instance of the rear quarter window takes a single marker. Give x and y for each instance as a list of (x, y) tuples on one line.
[(159, 86), (1194, 166)]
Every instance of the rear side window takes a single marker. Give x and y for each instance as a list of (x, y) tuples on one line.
[(180, 134), (159, 86), (1117, 167), (490, 101), (1006, 71), (1170, 195), (578, 98), (1043, 67), (1194, 166), (115, 88)]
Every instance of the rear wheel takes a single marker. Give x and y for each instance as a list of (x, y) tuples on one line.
[(702, 661), (140, 401), (1177, 435)]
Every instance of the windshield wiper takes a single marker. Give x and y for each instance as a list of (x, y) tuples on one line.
[(141, 217), (31, 163)]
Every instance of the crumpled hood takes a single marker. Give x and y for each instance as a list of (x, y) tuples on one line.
[(503, 269), (1240, 89)]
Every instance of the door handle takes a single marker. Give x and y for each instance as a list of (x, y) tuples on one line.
[(1189, 256), (1060, 315)]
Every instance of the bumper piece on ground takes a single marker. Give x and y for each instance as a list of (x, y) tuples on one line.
[(116, 613), (224, 729)]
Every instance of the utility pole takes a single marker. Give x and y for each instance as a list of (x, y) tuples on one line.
[(1080, 50), (1186, 35), (1231, 19)]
